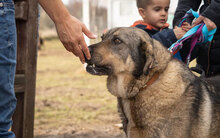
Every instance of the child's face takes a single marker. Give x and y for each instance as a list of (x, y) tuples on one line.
[(156, 13)]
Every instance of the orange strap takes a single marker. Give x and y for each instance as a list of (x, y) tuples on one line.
[(151, 81)]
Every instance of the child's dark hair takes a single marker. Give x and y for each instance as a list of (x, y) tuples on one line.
[(143, 3)]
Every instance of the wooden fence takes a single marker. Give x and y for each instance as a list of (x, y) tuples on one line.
[(26, 14)]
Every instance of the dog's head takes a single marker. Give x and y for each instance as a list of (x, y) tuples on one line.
[(125, 54)]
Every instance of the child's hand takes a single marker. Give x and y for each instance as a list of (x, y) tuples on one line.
[(186, 26), (179, 32)]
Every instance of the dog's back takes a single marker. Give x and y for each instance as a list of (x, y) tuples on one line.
[(195, 114), (214, 93), (208, 104), (215, 81)]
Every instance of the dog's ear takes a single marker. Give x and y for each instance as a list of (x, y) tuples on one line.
[(147, 47), (157, 56)]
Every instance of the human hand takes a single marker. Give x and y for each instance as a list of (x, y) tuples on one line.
[(70, 32), (210, 24), (186, 26), (179, 32)]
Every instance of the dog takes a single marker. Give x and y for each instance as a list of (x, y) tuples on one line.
[(158, 96)]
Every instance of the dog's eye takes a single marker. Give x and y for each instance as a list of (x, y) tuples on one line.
[(117, 41)]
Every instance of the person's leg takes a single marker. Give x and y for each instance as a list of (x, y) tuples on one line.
[(7, 67)]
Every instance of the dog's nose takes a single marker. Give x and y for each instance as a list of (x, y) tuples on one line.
[(90, 51)]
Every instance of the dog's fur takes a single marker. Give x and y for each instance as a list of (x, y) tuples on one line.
[(176, 105)]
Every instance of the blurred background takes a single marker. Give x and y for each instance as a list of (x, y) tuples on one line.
[(70, 103), (99, 15)]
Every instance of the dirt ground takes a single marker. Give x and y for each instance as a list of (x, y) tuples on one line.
[(71, 103), (108, 126)]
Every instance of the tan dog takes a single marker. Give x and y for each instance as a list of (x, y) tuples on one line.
[(158, 96)]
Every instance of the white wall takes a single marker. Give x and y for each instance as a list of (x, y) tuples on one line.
[(122, 13), (173, 4)]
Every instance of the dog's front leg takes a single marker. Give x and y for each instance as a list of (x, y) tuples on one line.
[(122, 115)]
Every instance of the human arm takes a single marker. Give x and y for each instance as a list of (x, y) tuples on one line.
[(165, 37), (210, 24), (211, 14), (182, 7), (70, 30), (169, 36)]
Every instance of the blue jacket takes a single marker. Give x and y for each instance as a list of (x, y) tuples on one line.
[(165, 36)]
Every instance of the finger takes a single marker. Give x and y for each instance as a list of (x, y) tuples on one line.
[(77, 51), (197, 21), (85, 48), (72, 47), (210, 24), (88, 33), (78, 56), (81, 57), (186, 24), (185, 29)]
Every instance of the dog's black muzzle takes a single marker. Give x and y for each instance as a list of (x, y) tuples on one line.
[(93, 65), (87, 60)]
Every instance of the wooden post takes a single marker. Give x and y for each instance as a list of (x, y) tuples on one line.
[(26, 14)]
